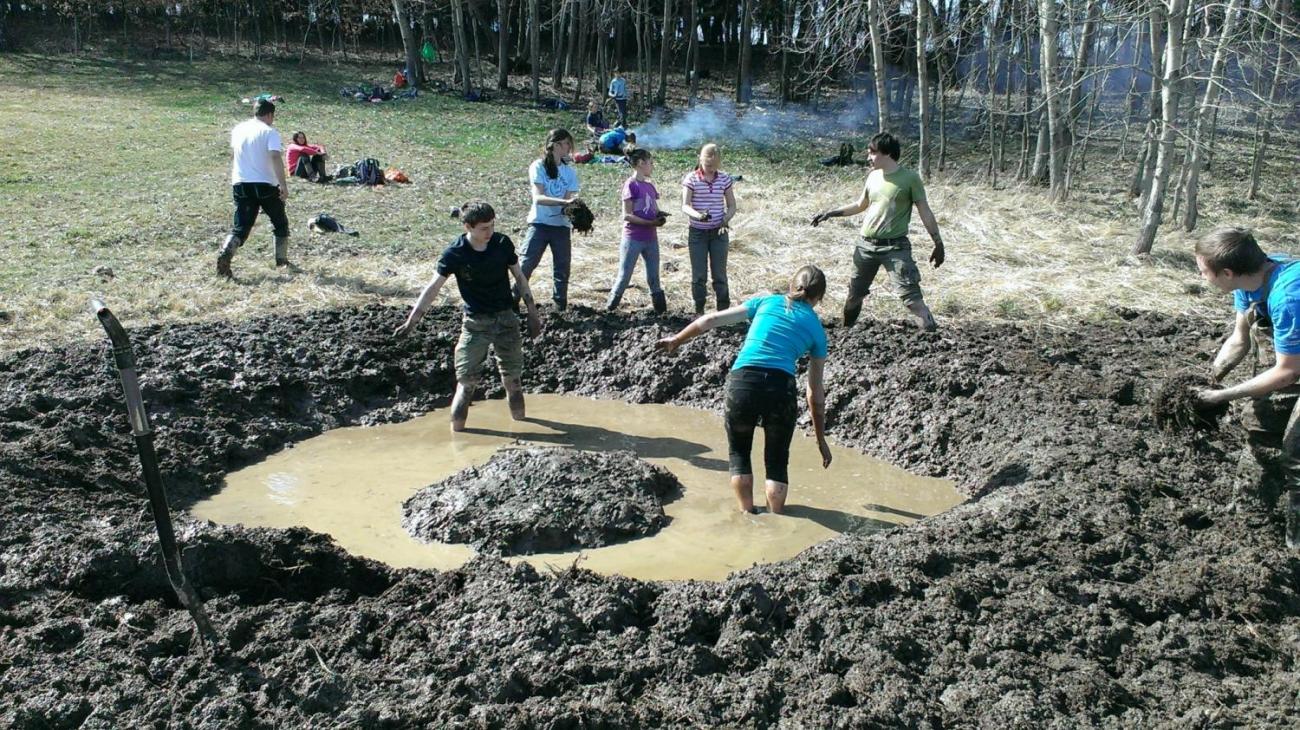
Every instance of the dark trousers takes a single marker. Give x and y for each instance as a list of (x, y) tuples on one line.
[(252, 197), (708, 252), (310, 167), (622, 111), (761, 397), (558, 238)]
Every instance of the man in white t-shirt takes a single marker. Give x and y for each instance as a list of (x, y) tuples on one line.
[(258, 182)]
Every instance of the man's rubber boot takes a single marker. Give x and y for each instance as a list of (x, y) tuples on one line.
[(699, 307), (282, 251), (660, 302), (1292, 501), (851, 315), (612, 303), (225, 255), (724, 304)]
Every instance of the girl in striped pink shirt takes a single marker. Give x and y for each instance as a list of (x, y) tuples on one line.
[(709, 203)]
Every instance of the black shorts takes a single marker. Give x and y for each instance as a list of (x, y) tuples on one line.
[(761, 397)]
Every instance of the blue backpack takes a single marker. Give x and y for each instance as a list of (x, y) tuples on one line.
[(368, 172)]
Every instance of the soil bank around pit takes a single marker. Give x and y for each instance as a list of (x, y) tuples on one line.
[(1106, 574)]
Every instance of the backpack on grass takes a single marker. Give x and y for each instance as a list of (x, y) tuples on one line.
[(369, 172)]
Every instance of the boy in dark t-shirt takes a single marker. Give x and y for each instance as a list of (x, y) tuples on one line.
[(482, 261)]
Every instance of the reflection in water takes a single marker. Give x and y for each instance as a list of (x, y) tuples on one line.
[(351, 482)]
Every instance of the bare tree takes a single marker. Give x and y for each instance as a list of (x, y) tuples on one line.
[(923, 80), (503, 44), (878, 69), (665, 44), (1203, 116), (1264, 125), (1049, 72), (1177, 10), (744, 89), (410, 44), (535, 47)]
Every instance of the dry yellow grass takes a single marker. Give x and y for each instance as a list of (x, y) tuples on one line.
[(126, 168)]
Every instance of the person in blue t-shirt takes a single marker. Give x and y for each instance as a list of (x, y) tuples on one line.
[(1266, 296), (483, 261), (761, 384), (618, 92), (613, 141)]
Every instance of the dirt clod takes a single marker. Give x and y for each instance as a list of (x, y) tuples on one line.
[(531, 500), (1176, 407)]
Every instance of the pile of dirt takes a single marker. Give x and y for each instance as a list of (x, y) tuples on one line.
[(1105, 572), (544, 499), (1175, 405)]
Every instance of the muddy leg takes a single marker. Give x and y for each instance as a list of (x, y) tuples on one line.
[(776, 494), (921, 313), (1291, 495), (743, 486), (514, 397), (460, 404)]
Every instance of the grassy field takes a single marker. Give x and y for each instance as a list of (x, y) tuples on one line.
[(110, 166)]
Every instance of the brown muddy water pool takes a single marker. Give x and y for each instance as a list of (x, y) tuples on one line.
[(350, 483)]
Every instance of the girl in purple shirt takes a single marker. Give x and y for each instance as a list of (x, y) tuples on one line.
[(641, 222)]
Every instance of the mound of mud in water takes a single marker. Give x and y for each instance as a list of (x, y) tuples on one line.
[(538, 500), (1176, 407), (1105, 573)]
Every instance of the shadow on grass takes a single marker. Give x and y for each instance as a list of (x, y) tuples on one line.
[(361, 286), (595, 438)]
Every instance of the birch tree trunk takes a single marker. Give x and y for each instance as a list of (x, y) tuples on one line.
[(1159, 51), (1049, 67), (878, 64), (1169, 120), (1266, 120), (923, 77), (693, 71), (1204, 114)]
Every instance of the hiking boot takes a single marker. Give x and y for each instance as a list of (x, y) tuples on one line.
[(223, 267), (612, 303), (660, 302), (851, 315)]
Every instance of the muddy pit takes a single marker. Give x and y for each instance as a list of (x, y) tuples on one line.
[(351, 483), (1105, 571)]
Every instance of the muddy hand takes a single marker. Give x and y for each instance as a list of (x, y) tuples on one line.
[(826, 452), (402, 329), (937, 257), (534, 325), (820, 217), (1209, 396), (667, 344)]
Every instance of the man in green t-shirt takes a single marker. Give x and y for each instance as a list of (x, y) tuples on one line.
[(888, 197)]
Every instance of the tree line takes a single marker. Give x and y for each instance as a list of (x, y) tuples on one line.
[(1035, 82)]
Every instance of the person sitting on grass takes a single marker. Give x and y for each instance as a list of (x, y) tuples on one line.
[(891, 191), (761, 384), (1266, 296), (641, 223), (482, 261), (596, 123), (306, 161)]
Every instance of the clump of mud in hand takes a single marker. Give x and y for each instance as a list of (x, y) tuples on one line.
[(530, 500), (1176, 407)]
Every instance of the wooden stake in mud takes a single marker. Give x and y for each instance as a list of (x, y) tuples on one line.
[(143, 432)]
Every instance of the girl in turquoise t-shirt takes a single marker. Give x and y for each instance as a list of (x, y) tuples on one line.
[(761, 384)]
